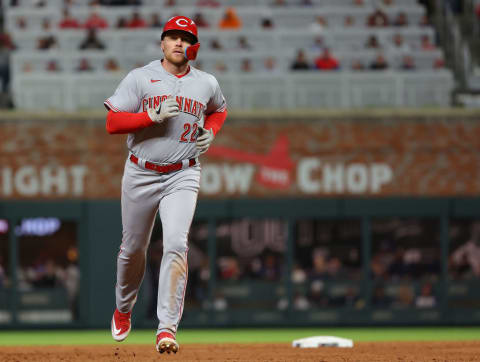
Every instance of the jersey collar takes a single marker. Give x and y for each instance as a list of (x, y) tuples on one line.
[(174, 75)]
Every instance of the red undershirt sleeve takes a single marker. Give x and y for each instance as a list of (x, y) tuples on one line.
[(215, 121), (125, 122)]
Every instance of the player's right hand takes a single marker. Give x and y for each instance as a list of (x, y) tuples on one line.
[(168, 108)]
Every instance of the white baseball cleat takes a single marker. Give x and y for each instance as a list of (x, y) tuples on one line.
[(166, 343), (121, 325)]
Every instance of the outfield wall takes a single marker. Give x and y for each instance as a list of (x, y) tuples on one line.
[(257, 156), (280, 197)]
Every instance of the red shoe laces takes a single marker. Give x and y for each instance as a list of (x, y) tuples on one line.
[(123, 319)]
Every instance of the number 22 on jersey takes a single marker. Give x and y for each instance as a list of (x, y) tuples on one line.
[(190, 132)]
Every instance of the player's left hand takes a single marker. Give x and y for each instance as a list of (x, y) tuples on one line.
[(204, 140)]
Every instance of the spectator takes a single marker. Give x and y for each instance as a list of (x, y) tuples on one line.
[(122, 23), (52, 66), (95, 21), (215, 44), (318, 44), (208, 3), (358, 2), (319, 270), (220, 303), (70, 278), (357, 65), (243, 43), (372, 42), (270, 65), (229, 268), (380, 299), (200, 20), (47, 42), (426, 44), (21, 23), (348, 21), (404, 297), (230, 20), (91, 41), (137, 22), (246, 66), (300, 62), (220, 67), (401, 19), (377, 19), (399, 44), (439, 63), (305, 3), (111, 65), (477, 11), (298, 275), (84, 66), (467, 256), (317, 294), (379, 63), (6, 41), (47, 275), (279, 3), (46, 25), (68, 21), (170, 3), (335, 268), (266, 23), (155, 21), (326, 61), (387, 2), (424, 21), (426, 299), (27, 67), (271, 269), (378, 267), (319, 25)]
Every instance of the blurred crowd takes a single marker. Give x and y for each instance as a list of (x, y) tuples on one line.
[(405, 272), (48, 273), (319, 57), (327, 265)]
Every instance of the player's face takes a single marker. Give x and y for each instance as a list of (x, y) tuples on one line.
[(173, 46)]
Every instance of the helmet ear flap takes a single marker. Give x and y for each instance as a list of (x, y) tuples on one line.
[(191, 51)]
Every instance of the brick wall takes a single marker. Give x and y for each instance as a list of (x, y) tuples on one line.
[(387, 155)]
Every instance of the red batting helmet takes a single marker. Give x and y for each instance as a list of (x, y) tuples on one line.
[(181, 23)]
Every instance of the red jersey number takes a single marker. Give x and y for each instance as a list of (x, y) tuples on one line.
[(190, 133)]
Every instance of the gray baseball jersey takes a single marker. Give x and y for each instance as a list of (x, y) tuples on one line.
[(146, 192), (197, 93)]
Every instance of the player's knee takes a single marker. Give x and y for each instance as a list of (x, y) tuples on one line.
[(175, 242), (133, 250)]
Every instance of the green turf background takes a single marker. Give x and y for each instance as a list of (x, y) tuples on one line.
[(71, 337)]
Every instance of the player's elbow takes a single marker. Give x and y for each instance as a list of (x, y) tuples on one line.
[(109, 124), (110, 130)]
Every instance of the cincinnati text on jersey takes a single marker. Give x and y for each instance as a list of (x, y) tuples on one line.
[(186, 105)]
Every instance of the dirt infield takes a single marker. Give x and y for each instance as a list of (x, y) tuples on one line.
[(381, 351)]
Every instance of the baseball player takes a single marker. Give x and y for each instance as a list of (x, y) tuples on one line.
[(171, 112)]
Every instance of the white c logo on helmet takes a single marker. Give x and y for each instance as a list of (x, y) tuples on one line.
[(182, 22)]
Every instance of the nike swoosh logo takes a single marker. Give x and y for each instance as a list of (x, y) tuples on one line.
[(115, 330), (155, 80)]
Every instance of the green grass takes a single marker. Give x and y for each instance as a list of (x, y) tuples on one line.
[(279, 335)]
